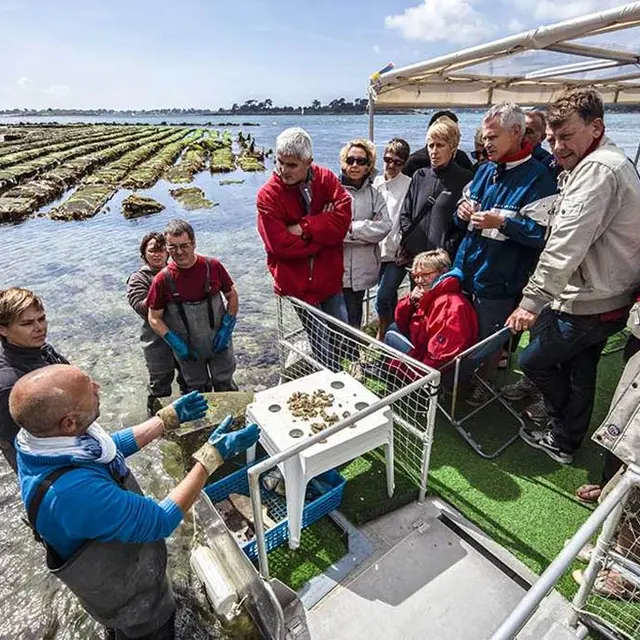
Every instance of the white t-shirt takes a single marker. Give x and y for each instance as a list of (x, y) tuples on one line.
[(393, 191)]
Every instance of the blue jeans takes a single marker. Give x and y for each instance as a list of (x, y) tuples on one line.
[(389, 279), (353, 301), (397, 340), (324, 340), (562, 359)]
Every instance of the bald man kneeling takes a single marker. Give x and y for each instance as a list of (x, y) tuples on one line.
[(104, 539)]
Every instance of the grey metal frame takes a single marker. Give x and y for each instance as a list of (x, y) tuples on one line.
[(430, 379), (607, 515), (450, 414)]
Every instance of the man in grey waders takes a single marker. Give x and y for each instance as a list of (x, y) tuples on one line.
[(187, 309), (103, 538)]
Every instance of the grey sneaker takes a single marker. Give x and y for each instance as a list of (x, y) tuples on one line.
[(544, 440), (522, 389), (477, 395), (537, 412)]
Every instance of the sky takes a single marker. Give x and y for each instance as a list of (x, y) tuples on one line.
[(142, 54)]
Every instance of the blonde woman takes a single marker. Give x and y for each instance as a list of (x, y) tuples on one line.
[(426, 219), (370, 223)]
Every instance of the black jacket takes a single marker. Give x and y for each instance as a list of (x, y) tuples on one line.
[(420, 159), (437, 229), (15, 362)]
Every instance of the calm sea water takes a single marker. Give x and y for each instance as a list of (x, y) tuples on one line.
[(80, 270)]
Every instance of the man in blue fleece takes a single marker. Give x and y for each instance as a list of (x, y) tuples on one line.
[(506, 213), (104, 539)]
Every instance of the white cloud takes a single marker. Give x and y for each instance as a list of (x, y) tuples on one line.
[(24, 82), (515, 26), (547, 11), (376, 48), (453, 21), (57, 90)]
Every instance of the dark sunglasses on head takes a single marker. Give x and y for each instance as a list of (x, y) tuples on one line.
[(361, 162), (396, 161), (476, 155)]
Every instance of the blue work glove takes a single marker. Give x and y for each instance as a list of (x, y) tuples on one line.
[(223, 445), (178, 345), (190, 407), (222, 339)]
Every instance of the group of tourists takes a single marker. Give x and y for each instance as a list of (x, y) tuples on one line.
[(535, 241)]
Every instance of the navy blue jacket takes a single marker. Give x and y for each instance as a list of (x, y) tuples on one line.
[(547, 159), (497, 263)]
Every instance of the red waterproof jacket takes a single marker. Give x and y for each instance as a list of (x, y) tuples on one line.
[(308, 267), (442, 324)]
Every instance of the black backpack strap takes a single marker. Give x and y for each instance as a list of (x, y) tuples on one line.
[(40, 493), (175, 297), (207, 290)]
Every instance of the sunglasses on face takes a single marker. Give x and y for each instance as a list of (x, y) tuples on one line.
[(361, 162), (396, 161)]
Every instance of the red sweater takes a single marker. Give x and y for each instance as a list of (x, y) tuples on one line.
[(441, 325), (310, 268)]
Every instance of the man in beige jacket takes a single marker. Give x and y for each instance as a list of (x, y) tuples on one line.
[(582, 287)]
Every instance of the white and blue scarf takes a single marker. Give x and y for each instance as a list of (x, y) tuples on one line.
[(95, 445)]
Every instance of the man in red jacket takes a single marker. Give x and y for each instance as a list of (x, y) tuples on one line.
[(303, 216)]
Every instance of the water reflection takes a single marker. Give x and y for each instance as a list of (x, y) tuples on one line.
[(80, 270)]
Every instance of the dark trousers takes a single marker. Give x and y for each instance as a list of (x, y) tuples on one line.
[(353, 301), (389, 279), (562, 360), (9, 453), (165, 632)]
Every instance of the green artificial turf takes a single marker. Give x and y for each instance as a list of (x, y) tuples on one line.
[(523, 499), (321, 545)]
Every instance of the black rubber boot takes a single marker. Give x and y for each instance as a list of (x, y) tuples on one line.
[(153, 406)]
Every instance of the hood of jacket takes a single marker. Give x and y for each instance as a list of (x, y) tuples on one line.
[(450, 282)]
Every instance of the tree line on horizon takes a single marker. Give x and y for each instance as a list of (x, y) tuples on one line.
[(248, 107)]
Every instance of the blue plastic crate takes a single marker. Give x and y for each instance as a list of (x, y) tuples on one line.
[(324, 494)]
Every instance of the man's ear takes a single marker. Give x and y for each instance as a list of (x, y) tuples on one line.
[(68, 425), (597, 126), (3, 330)]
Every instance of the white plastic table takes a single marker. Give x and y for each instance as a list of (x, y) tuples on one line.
[(281, 430)]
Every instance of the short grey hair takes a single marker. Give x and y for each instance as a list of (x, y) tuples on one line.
[(177, 227), (295, 142), (508, 114)]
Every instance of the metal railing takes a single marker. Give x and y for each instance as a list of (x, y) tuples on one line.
[(402, 400), (608, 515)]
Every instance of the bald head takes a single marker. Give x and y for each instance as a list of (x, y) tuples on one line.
[(58, 400)]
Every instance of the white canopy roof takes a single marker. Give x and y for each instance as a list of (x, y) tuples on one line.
[(530, 68)]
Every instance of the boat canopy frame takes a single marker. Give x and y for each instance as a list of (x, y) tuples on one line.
[(450, 80)]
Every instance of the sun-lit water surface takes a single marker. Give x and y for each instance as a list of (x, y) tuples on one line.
[(80, 269)]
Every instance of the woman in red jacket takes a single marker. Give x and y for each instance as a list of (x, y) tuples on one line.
[(435, 322)]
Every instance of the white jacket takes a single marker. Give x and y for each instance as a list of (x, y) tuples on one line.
[(393, 191), (591, 262), (370, 223)]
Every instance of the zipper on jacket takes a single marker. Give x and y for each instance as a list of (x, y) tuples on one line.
[(311, 262)]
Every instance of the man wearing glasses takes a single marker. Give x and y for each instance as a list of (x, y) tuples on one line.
[(193, 305)]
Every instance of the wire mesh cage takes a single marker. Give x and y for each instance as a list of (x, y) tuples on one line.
[(310, 340), (612, 602)]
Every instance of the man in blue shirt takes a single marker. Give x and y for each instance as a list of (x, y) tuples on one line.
[(534, 134), (505, 213), (104, 539)]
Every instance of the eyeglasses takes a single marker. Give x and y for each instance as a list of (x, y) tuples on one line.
[(423, 275), (179, 247), (396, 161), (529, 131), (361, 162)]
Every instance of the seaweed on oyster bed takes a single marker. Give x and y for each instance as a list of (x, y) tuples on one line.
[(191, 198), (135, 206)]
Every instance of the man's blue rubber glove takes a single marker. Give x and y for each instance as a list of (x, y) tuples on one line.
[(178, 345), (222, 445), (222, 339), (190, 407)]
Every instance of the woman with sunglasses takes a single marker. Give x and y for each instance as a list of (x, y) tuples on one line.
[(370, 223), (479, 153), (426, 218), (393, 186)]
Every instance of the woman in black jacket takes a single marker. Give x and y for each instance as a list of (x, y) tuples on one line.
[(426, 219)]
